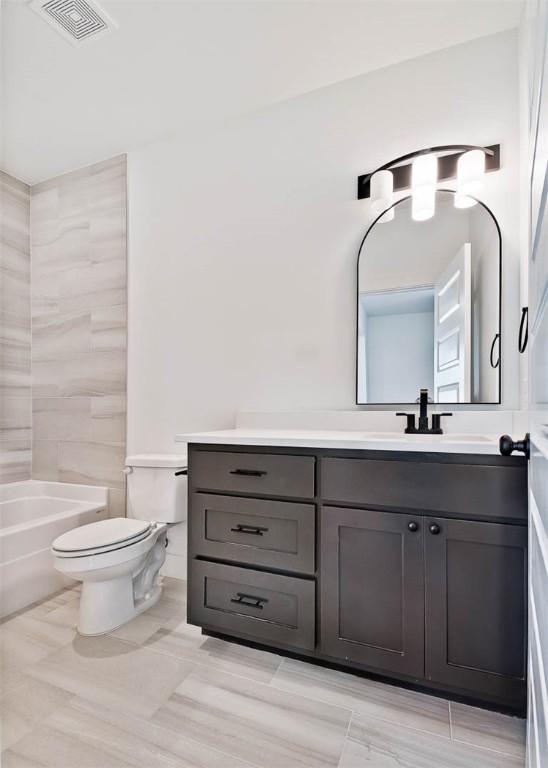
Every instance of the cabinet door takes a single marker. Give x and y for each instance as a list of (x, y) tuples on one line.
[(476, 592), (372, 589)]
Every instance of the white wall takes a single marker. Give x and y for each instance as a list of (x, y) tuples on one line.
[(242, 249)]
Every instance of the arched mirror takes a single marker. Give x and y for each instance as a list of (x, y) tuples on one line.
[(429, 306)]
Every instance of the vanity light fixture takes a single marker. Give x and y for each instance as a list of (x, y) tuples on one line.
[(424, 178), (421, 171), (382, 195)]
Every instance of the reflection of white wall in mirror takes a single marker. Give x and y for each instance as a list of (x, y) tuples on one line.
[(452, 328), (405, 252), (396, 341)]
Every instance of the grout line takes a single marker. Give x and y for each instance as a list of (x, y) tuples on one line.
[(160, 727), (450, 721), (489, 749)]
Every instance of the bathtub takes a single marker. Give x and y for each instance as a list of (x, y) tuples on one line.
[(32, 514)]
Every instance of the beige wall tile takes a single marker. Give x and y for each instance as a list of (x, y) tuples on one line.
[(108, 327), (116, 502), (15, 418), (62, 418), (14, 279), (15, 460), (108, 418), (95, 373), (92, 463), (77, 298), (45, 460), (15, 338), (61, 334), (99, 285)]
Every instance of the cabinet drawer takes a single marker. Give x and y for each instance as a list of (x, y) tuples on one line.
[(263, 606), (473, 490), (273, 534), (253, 473)]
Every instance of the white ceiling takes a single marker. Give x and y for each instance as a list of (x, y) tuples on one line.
[(175, 66)]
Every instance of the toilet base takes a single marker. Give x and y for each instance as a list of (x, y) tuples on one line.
[(98, 599)]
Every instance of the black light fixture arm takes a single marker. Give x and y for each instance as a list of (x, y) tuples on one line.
[(447, 168)]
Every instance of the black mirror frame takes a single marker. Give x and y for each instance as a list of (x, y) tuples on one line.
[(499, 366)]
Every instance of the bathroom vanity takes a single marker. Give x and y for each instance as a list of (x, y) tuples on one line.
[(383, 554)]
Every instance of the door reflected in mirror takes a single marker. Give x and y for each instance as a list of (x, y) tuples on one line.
[(429, 306)]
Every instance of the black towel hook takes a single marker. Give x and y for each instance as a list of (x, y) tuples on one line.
[(523, 326), (494, 365)]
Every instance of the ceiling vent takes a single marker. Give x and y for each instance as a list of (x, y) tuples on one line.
[(76, 20)]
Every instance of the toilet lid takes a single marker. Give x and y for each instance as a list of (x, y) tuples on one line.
[(103, 533)]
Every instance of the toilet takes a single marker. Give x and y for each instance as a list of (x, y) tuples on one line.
[(118, 560)]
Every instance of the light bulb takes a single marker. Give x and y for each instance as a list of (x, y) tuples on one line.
[(423, 203), (463, 201), (470, 172), (382, 195), (424, 178)]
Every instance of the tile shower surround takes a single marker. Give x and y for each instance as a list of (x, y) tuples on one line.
[(79, 307), (78, 303), (15, 331)]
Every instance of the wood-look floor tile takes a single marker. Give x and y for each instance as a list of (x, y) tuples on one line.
[(139, 629), (10, 759), (255, 722), (25, 640), (65, 615), (367, 697), (169, 610), (380, 744), (113, 673), (488, 729), (25, 705), (175, 589), (187, 642), (133, 740), (49, 748)]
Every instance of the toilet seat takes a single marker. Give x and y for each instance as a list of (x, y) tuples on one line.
[(101, 537)]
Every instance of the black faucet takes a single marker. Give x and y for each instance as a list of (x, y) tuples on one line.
[(423, 428)]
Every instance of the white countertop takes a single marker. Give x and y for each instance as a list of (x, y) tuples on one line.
[(356, 440)]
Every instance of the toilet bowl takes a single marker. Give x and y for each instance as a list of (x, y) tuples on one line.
[(118, 560)]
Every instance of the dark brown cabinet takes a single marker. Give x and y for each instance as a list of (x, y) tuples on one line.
[(408, 565), (476, 598), (372, 594)]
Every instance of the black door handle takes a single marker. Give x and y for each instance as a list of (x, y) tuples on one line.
[(434, 529), (256, 530), (181, 472), (248, 472), (251, 601), (523, 326), (507, 446), (412, 526)]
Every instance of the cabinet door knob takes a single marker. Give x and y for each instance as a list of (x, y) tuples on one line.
[(434, 529), (412, 526)]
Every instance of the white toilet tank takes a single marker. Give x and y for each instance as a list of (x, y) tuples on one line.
[(155, 489)]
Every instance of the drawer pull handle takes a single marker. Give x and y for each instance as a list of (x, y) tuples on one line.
[(256, 530), (250, 600), (248, 472)]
